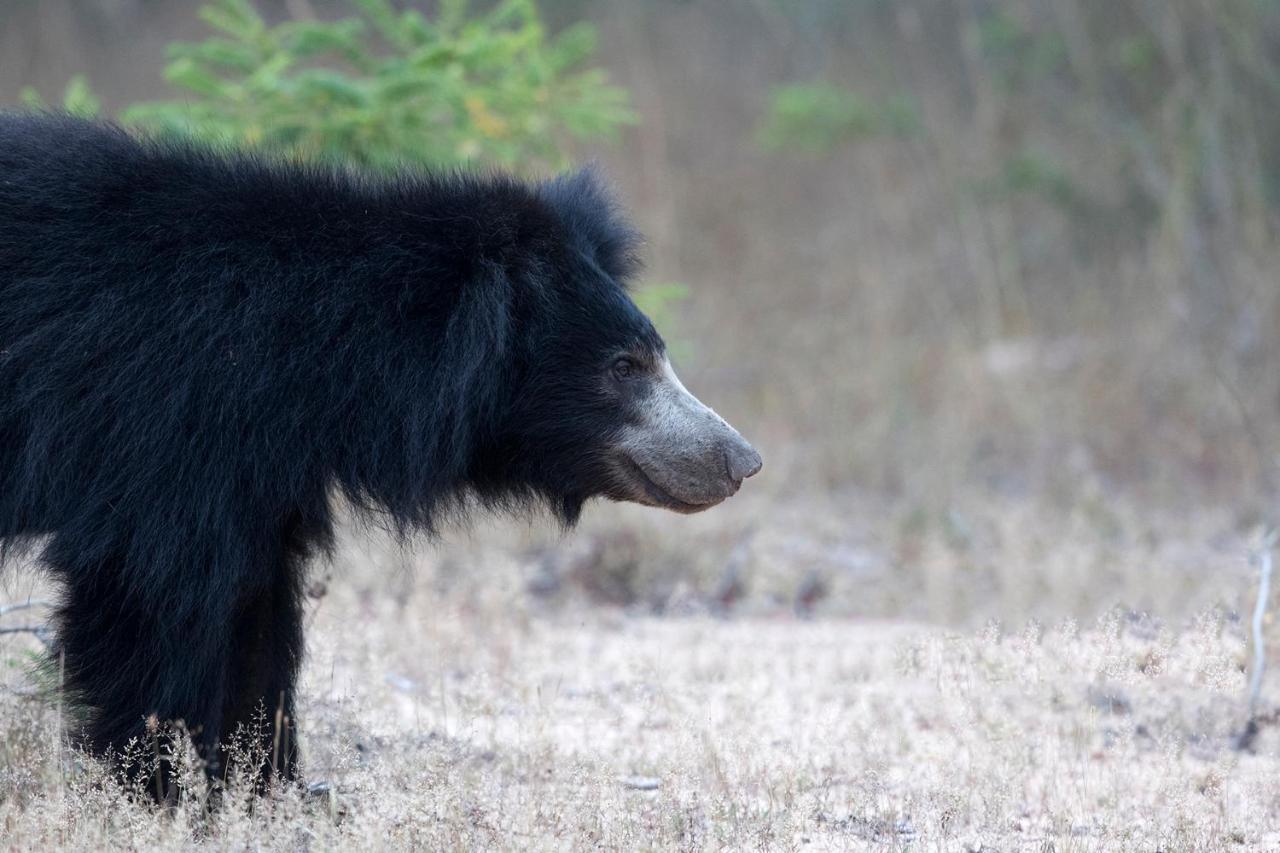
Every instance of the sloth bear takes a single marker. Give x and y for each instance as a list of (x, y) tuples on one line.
[(199, 348)]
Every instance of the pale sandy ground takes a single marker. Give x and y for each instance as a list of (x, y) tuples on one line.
[(468, 714)]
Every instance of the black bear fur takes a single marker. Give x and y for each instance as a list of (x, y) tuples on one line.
[(200, 347)]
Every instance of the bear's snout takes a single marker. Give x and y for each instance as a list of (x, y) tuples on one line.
[(681, 455), (741, 461)]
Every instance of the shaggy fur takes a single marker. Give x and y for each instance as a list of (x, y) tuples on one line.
[(198, 347)]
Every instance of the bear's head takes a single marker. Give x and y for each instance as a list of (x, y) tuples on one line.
[(596, 408)]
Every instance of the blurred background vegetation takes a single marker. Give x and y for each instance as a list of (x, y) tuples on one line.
[(940, 255)]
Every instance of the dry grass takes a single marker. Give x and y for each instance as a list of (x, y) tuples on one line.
[(467, 703)]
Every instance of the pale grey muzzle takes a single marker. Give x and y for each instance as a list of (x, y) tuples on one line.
[(685, 450)]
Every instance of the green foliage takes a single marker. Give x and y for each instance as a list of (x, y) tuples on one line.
[(1134, 121), (1034, 173), (1175, 106), (1017, 54), (1137, 53), (660, 302), (813, 118), (389, 87), (77, 98)]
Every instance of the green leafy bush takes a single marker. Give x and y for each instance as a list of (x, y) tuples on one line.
[(813, 118), (1016, 54), (77, 99), (389, 87), (659, 302)]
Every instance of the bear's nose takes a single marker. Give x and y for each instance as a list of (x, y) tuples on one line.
[(741, 461)]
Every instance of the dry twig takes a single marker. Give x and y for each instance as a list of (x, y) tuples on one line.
[(1263, 558)]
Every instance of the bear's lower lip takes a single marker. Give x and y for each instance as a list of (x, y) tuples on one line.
[(657, 496)]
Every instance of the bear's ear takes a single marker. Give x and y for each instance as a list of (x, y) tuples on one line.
[(596, 222)]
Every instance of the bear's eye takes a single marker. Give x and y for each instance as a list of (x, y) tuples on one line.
[(624, 368)]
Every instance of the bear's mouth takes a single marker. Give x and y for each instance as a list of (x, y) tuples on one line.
[(642, 489)]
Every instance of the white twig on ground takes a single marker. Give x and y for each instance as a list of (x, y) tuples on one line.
[(6, 609), (1259, 619), (1245, 739), (40, 632)]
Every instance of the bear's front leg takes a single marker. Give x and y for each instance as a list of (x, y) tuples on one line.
[(266, 653)]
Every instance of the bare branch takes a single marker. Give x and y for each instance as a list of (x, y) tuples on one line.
[(40, 632), (1264, 560), (1259, 642), (6, 609)]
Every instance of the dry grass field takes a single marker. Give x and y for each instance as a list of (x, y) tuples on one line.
[(509, 690)]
